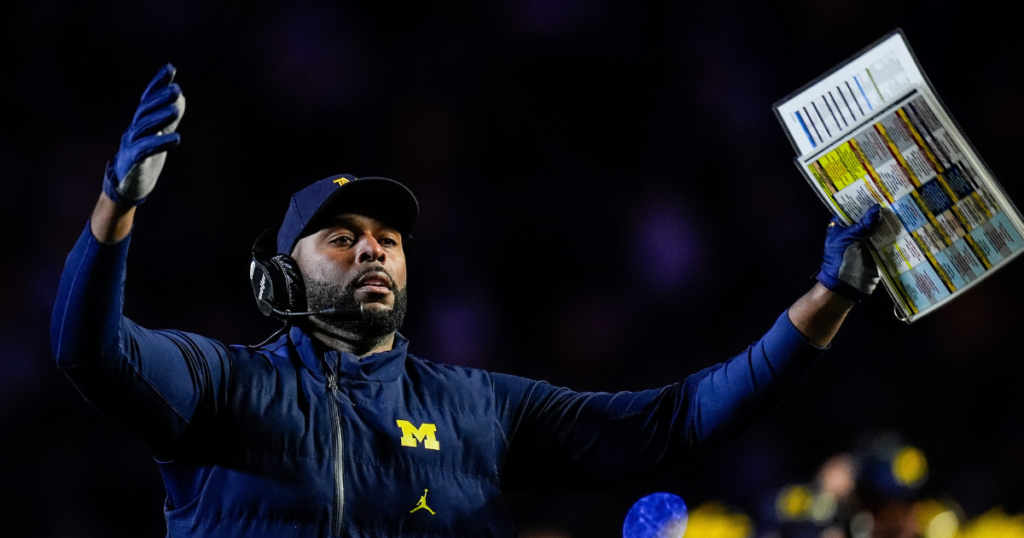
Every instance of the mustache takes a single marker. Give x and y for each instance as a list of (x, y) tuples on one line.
[(379, 271)]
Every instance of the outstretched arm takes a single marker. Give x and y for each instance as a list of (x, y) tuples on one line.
[(562, 440), (151, 382)]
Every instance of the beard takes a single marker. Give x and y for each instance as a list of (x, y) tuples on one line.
[(374, 325)]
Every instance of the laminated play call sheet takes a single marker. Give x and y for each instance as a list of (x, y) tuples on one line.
[(873, 131)]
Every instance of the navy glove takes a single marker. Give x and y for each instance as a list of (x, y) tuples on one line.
[(848, 268), (136, 167)]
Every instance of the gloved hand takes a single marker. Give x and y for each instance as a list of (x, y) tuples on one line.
[(848, 268), (136, 167)]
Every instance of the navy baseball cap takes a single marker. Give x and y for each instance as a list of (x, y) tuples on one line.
[(379, 197)]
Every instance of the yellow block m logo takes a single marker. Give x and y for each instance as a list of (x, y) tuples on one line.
[(425, 434)]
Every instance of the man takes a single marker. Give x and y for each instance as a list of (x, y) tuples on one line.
[(334, 429)]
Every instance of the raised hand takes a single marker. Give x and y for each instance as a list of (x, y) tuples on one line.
[(847, 268), (137, 165)]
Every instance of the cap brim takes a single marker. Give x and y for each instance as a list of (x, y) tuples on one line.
[(380, 198)]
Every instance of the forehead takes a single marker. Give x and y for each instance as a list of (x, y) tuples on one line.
[(349, 220)]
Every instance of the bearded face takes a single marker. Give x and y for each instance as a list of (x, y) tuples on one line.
[(375, 324), (354, 262)]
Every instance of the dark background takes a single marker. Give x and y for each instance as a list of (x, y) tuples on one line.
[(608, 203)]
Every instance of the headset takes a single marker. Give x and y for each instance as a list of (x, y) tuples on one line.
[(279, 288)]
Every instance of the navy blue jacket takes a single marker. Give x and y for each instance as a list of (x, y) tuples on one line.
[(282, 441)]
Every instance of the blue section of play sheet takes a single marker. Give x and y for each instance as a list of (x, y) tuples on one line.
[(944, 261), (982, 238), (908, 212), (957, 182), (960, 263), (1005, 236), (997, 238), (923, 285), (808, 133), (934, 197)]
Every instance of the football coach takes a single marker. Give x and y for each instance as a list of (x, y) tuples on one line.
[(333, 427)]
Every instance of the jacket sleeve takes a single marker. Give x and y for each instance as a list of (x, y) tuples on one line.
[(153, 383), (560, 440)]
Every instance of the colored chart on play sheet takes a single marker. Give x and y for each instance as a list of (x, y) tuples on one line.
[(945, 221), (941, 229)]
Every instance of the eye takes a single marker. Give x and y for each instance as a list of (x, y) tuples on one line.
[(342, 240), (388, 242)]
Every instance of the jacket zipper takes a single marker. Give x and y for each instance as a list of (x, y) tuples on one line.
[(339, 462)]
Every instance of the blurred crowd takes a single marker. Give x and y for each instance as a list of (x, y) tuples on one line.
[(878, 490)]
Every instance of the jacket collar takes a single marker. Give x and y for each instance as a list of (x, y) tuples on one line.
[(383, 366)]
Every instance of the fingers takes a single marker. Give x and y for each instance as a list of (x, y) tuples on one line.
[(180, 105), (161, 107), (163, 78), (156, 121), (862, 228), (155, 144), (870, 217), (157, 99)]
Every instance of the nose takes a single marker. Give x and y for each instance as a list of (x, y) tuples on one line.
[(369, 250)]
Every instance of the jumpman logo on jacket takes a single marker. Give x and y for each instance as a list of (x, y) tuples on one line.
[(423, 504)]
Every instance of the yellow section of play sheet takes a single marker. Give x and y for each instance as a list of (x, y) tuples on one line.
[(842, 166)]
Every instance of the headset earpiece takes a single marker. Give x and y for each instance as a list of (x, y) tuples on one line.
[(276, 280), (294, 285)]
